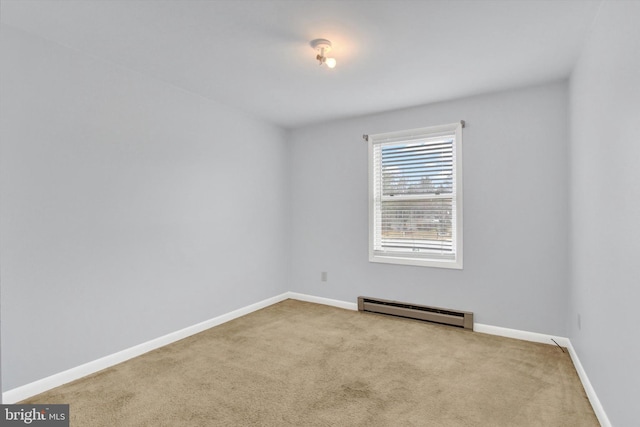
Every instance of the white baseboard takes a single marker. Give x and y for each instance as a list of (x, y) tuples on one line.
[(23, 392), (588, 388), (321, 300), (520, 335)]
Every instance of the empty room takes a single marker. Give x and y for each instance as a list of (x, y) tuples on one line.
[(319, 213)]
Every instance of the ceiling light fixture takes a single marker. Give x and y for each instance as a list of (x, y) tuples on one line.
[(323, 46)]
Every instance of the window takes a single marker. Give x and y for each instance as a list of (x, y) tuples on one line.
[(415, 197)]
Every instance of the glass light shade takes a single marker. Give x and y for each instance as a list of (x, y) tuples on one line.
[(331, 62)]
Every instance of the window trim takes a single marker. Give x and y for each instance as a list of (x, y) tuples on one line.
[(420, 133)]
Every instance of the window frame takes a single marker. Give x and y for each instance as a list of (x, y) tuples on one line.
[(400, 257)]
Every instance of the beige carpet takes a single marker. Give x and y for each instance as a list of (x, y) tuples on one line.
[(303, 364)]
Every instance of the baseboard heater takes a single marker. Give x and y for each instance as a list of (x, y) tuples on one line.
[(460, 319)]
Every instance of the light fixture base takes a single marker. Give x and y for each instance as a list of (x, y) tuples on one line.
[(320, 44)]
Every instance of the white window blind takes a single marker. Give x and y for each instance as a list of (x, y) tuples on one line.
[(415, 197)]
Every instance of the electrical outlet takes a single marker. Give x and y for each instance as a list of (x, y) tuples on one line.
[(323, 276), (579, 322)]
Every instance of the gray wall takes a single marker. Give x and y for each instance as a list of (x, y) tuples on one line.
[(605, 209), (515, 210), (130, 209)]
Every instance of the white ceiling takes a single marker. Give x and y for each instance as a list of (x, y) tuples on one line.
[(255, 55)]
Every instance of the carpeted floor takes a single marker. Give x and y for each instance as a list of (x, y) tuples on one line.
[(301, 364)]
